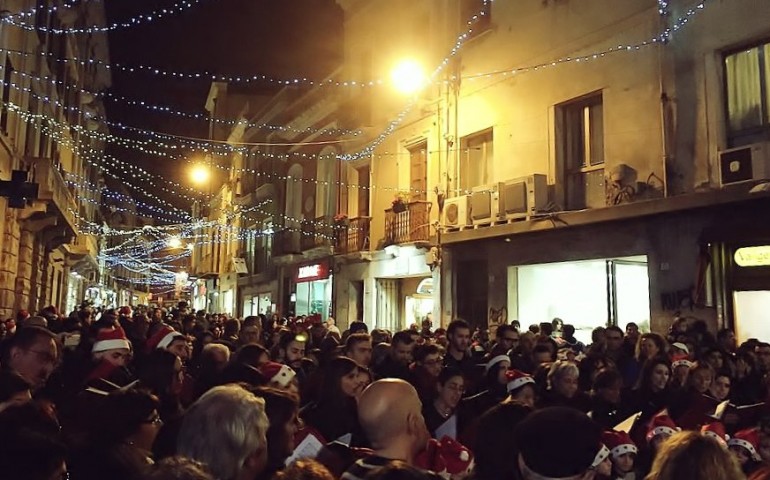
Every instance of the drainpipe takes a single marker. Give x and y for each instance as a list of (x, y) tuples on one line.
[(664, 103)]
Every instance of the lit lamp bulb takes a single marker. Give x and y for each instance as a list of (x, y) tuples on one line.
[(199, 174), (174, 242), (408, 77)]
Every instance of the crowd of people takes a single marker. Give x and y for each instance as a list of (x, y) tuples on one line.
[(154, 395)]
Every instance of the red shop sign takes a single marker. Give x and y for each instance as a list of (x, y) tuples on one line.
[(311, 272)]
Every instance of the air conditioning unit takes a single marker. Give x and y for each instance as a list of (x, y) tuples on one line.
[(744, 164), (522, 197), (484, 204), (455, 214)]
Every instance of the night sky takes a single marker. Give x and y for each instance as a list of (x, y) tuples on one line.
[(279, 38)]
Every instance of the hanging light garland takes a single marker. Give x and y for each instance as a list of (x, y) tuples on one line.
[(141, 19)]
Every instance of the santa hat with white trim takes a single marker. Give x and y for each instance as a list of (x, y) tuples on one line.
[(277, 373), (619, 443), (681, 361), (111, 339), (601, 456), (495, 360), (516, 379), (716, 430), (748, 439), (661, 425), (162, 338)]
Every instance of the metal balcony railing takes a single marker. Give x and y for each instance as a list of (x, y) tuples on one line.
[(54, 189), (352, 236), (412, 224), (318, 232)]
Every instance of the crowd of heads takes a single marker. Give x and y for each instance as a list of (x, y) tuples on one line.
[(172, 394)]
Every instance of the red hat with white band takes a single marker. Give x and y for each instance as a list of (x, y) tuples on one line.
[(517, 379), (163, 338), (111, 339), (619, 443), (495, 360)]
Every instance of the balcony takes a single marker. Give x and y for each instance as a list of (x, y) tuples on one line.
[(318, 232), (286, 242), (53, 190), (353, 236), (409, 225)]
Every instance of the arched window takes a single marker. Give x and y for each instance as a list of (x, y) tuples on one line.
[(326, 186), (294, 196)]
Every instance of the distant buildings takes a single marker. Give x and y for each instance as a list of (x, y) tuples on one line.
[(48, 128), (570, 160)]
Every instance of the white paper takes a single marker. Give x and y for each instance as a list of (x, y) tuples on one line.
[(448, 428), (307, 448), (719, 412), (627, 424)]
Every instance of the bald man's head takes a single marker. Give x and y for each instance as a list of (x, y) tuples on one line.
[(390, 412)]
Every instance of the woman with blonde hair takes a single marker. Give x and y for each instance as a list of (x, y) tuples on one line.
[(694, 456)]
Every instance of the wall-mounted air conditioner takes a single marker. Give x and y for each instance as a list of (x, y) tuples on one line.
[(522, 197), (744, 164), (484, 203), (455, 213)]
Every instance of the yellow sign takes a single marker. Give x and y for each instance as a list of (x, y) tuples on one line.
[(758, 256)]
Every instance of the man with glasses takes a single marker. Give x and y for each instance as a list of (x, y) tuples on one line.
[(506, 339), (33, 354)]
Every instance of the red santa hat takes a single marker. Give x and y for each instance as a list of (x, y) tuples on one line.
[(619, 443), (125, 311), (748, 439), (446, 457), (163, 338), (716, 430), (661, 425), (681, 346), (495, 360), (516, 379), (278, 373), (111, 340), (681, 361), (601, 456)]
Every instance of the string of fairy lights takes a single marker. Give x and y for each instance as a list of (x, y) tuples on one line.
[(118, 168), (141, 19), (663, 9), (254, 172)]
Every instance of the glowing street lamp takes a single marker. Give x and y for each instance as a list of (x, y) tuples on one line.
[(174, 242), (408, 77), (200, 174)]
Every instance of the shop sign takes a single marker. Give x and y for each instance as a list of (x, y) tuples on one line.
[(758, 256), (311, 272)]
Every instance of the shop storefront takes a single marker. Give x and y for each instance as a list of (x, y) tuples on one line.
[(312, 289), (199, 295), (261, 303), (746, 293), (585, 294), (391, 289), (647, 270), (418, 299), (75, 292)]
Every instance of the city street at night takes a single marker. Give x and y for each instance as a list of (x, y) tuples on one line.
[(385, 240)]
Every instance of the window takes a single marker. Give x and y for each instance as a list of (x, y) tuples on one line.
[(363, 191), (476, 158), (4, 112), (747, 94), (476, 8), (580, 134), (418, 170)]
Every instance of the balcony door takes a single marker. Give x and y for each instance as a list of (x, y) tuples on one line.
[(418, 170)]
